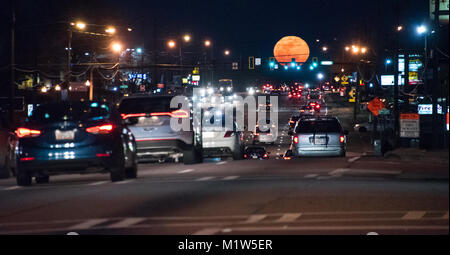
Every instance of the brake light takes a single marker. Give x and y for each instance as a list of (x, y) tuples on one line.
[(265, 156), (101, 130), (245, 156), (342, 139), (296, 140), (25, 132), (318, 106), (103, 155), (27, 159), (228, 134)]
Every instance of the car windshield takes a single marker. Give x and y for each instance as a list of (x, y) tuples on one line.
[(69, 112), (145, 105), (321, 126)]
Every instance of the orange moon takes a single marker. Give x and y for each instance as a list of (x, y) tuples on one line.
[(290, 47)]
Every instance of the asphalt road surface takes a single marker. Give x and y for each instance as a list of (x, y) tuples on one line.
[(358, 194)]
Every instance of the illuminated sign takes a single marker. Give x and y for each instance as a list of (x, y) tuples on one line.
[(387, 80)]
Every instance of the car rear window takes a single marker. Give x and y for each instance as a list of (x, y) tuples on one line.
[(145, 105), (321, 126), (69, 112)]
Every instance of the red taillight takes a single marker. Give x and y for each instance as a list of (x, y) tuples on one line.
[(296, 139), (103, 129), (25, 132), (318, 106), (180, 114), (134, 115), (342, 139), (245, 156), (265, 156), (228, 134), (27, 159), (103, 155), (299, 96)]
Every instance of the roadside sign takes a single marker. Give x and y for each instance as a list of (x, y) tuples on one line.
[(352, 95), (235, 66), (196, 71), (326, 63), (375, 106), (409, 125), (384, 112), (344, 80), (258, 61)]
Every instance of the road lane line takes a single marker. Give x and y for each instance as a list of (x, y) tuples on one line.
[(354, 159), (207, 232), (124, 182), (289, 217), (126, 223), (97, 183), (311, 176), (88, 224), (222, 163), (186, 171), (338, 172), (205, 179), (414, 215), (256, 218), (230, 178), (13, 188)]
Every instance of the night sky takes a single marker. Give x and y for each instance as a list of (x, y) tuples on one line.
[(246, 27)]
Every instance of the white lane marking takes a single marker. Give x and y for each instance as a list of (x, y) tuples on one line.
[(310, 176), (338, 172), (445, 216), (354, 159), (222, 163), (88, 224), (413, 215), (124, 182), (230, 178), (205, 179), (186, 171), (97, 183), (13, 188), (207, 232), (339, 228), (255, 218), (126, 223), (289, 217)]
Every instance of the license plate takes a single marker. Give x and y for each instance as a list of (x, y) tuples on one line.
[(320, 141), (255, 157), (64, 135)]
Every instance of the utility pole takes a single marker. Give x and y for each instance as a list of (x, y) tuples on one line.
[(436, 129), (396, 81), (12, 64)]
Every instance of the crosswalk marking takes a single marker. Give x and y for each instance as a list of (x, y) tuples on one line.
[(413, 215), (126, 223), (289, 217), (87, 224)]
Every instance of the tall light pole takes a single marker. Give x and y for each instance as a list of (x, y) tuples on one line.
[(13, 63)]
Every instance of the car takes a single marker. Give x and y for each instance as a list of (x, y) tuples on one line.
[(74, 138), (149, 118), (8, 142), (217, 141), (368, 126), (265, 133), (319, 136), (256, 152)]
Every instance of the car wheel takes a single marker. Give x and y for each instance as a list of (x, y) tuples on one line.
[(192, 156), (117, 172), (5, 172), (131, 173), (43, 179), (23, 178)]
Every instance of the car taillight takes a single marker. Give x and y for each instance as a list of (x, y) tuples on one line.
[(27, 159), (318, 106), (296, 139), (228, 134), (25, 132), (265, 156), (245, 156), (101, 130), (180, 114), (134, 115), (342, 139)]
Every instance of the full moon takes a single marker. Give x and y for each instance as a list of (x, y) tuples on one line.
[(291, 47)]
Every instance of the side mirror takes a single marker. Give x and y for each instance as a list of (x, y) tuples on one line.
[(291, 133), (346, 132)]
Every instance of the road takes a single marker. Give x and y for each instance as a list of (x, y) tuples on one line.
[(353, 195)]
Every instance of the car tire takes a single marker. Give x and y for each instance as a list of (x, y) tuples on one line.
[(44, 179), (23, 179), (117, 172), (5, 172), (131, 173), (192, 156)]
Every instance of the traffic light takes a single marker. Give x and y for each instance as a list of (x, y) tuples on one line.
[(251, 63)]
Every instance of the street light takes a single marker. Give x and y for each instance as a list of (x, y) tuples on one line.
[(87, 83), (187, 38), (399, 28), (171, 44), (324, 48), (422, 29), (207, 43), (80, 25), (227, 52), (139, 50), (116, 47), (364, 50), (110, 30), (320, 76), (347, 48)]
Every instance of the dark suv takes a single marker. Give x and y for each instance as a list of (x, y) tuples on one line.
[(70, 138)]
